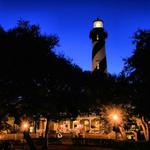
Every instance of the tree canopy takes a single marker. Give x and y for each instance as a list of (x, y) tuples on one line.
[(32, 76), (137, 70)]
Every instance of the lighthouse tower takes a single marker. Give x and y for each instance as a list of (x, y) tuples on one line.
[(98, 36)]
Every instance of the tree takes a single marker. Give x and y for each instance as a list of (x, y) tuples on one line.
[(36, 81), (33, 79), (137, 72), (138, 77)]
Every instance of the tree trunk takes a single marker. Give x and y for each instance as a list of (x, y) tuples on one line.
[(143, 128), (146, 128), (35, 126), (135, 135), (143, 124), (29, 140), (45, 139), (123, 133)]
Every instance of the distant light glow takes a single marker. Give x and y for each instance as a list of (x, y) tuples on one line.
[(98, 24), (25, 126), (114, 114), (115, 117)]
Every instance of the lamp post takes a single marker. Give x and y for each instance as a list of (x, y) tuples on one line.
[(115, 115), (25, 128), (115, 118)]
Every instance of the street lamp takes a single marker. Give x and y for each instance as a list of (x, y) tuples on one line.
[(115, 118), (115, 115), (25, 126)]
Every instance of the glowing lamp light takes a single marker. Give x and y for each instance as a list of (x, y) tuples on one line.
[(98, 23), (25, 126), (115, 117)]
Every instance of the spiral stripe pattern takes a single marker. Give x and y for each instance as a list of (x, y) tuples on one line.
[(99, 56)]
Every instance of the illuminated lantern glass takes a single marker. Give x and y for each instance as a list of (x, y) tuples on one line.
[(98, 24)]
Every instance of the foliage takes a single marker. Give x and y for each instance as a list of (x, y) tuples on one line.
[(137, 72), (33, 79)]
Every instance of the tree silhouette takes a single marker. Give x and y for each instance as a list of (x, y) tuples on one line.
[(137, 72), (33, 79), (32, 71)]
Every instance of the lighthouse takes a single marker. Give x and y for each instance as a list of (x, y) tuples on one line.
[(98, 36)]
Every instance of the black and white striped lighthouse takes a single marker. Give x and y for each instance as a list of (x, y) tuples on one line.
[(98, 36)]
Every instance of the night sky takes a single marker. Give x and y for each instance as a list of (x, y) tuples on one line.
[(72, 21)]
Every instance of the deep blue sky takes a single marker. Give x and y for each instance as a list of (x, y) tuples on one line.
[(72, 21)]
